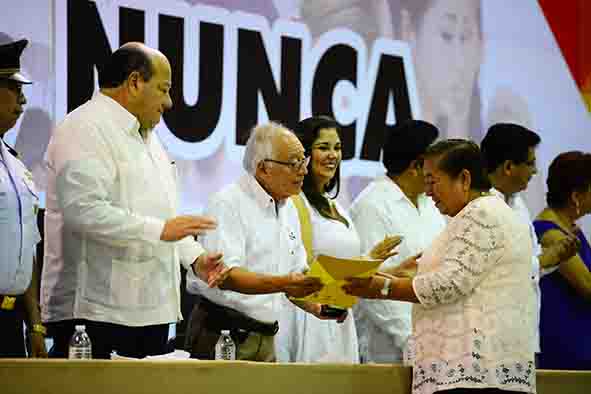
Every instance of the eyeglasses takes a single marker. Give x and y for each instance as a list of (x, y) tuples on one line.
[(295, 166)]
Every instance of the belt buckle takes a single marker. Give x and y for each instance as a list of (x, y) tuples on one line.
[(8, 303)]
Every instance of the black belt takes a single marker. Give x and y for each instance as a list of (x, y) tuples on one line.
[(224, 318)]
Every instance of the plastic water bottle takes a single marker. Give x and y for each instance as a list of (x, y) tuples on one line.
[(80, 346), (225, 349)]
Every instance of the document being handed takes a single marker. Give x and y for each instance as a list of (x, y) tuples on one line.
[(332, 271)]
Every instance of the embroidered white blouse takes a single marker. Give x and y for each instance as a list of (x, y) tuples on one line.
[(474, 326)]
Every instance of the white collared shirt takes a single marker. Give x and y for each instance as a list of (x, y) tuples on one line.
[(255, 233), (518, 206), (109, 194), (18, 224), (383, 209)]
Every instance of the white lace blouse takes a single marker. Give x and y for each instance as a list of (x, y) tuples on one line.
[(475, 326)]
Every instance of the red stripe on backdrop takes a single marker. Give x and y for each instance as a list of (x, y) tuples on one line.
[(570, 22)]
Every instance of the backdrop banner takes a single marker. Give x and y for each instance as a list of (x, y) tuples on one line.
[(462, 65)]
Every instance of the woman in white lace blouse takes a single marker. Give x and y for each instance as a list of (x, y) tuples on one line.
[(473, 325)]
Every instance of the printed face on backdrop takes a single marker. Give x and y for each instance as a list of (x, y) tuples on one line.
[(447, 49), (326, 155)]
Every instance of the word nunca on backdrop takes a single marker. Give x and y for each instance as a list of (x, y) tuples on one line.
[(232, 70)]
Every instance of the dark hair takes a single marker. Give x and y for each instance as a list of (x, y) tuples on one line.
[(307, 131), (417, 10), (507, 141), (456, 155), (407, 141), (568, 172), (122, 63)]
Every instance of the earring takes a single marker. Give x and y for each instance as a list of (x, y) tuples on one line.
[(577, 208)]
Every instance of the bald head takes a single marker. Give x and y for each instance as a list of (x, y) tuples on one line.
[(139, 78), (130, 57)]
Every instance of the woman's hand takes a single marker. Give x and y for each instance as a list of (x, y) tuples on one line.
[(406, 269), (384, 249), (367, 287)]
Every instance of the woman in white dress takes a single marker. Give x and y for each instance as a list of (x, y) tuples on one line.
[(333, 234), (473, 310)]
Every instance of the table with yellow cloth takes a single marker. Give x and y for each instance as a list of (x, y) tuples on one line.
[(232, 377)]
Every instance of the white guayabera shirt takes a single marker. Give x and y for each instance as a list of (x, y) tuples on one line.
[(258, 234), (109, 195), (518, 205), (475, 324), (382, 209)]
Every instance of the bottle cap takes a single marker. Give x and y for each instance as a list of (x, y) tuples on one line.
[(80, 327)]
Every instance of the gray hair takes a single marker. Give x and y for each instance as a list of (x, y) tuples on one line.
[(260, 145)]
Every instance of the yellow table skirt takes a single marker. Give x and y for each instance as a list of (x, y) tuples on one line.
[(221, 377)]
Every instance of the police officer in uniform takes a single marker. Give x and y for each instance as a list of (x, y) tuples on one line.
[(19, 301)]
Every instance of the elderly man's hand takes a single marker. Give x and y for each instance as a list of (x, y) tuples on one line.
[(210, 268), (183, 226), (367, 287), (300, 285), (318, 310), (385, 249)]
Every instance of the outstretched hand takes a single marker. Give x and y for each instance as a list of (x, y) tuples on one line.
[(210, 268), (183, 226), (299, 285), (385, 249), (406, 269), (370, 287)]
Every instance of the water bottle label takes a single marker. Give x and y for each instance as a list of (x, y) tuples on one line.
[(225, 348), (80, 353)]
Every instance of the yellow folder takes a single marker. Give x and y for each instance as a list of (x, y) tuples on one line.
[(332, 271)]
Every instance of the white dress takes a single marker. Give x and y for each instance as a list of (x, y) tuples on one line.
[(315, 340)]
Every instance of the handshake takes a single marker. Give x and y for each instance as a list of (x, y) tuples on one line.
[(299, 285)]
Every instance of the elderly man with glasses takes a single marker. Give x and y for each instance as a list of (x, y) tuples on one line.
[(259, 233)]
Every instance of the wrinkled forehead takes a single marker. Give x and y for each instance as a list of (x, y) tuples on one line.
[(288, 147)]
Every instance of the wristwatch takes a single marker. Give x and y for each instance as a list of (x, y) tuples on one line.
[(386, 289), (39, 329)]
